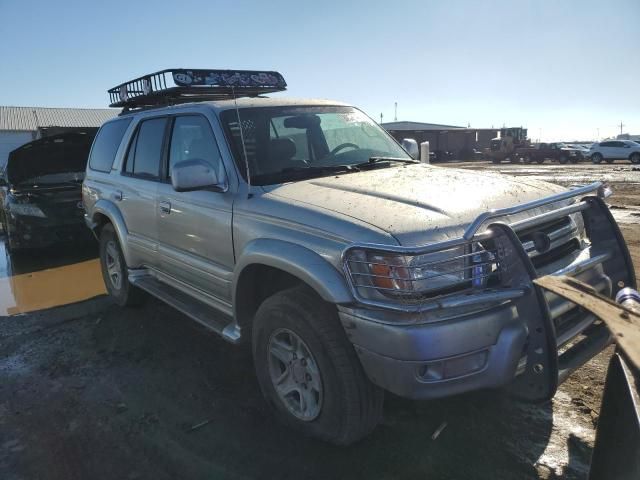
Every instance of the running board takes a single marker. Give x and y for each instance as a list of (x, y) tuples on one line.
[(195, 309)]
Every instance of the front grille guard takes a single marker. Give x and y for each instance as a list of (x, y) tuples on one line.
[(545, 369)]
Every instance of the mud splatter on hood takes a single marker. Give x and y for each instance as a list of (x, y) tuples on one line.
[(415, 203)]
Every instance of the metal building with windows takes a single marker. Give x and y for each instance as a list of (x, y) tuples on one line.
[(20, 125)]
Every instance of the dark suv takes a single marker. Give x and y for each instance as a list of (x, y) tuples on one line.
[(41, 191)]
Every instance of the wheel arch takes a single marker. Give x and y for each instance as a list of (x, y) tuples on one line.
[(104, 212), (268, 266)]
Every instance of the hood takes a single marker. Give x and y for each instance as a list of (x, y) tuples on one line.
[(417, 204), (64, 153)]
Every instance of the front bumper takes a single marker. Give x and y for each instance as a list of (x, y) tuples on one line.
[(439, 359), (518, 335)]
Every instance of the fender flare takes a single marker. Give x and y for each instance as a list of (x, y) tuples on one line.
[(298, 261), (109, 210)]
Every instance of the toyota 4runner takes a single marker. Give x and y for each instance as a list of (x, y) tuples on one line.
[(302, 228)]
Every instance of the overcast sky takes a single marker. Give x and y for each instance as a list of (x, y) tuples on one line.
[(564, 69)]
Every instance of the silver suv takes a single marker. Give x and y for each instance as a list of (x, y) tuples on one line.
[(611, 150), (302, 228)]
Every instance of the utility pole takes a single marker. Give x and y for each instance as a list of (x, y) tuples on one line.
[(381, 117), (621, 125), (395, 116), (598, 130)]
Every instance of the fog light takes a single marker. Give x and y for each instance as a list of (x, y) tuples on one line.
[(452, 368)]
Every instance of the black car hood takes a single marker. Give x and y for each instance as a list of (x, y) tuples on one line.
[(63, 153)]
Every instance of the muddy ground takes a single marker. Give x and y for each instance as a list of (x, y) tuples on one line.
[(93, 391)]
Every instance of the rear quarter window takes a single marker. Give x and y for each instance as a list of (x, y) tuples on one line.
[(105, 146)]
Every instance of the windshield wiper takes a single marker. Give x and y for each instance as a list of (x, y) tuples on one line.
[(321, 169), (378, 160)]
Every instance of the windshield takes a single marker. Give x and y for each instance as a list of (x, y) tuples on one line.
[(309, 140)]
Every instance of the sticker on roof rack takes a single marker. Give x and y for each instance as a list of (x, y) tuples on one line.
[(187, 78)]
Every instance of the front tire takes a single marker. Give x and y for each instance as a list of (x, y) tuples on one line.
[(115, 271), (596, 158), (635, 158), (563, 159), (309, 372)]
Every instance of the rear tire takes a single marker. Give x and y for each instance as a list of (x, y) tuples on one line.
[(635, 158), (540, 160), (527, 159), (309, 372), (563, 159), (596, 158), (115, 271)]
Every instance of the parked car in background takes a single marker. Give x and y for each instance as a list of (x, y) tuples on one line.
[(41, 191), (553, 151), (611, 150), (582, 150)]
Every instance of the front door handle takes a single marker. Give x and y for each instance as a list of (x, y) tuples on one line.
[(117, 195), (165, 207)]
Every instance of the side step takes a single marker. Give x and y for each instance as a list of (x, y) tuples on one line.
[(193, 308)]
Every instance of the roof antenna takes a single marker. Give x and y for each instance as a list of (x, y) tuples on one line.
[(244, 149)]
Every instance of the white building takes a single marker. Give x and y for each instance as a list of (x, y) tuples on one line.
[(20, 125)]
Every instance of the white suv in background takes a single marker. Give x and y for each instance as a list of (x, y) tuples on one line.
[(611, 150)]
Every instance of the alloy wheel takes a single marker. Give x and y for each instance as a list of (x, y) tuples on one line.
[(295, 374), (114, 265)]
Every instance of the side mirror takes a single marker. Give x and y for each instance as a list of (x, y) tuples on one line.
[(411, 146), (194, 174)]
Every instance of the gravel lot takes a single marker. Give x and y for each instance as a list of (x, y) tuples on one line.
[(92, 391)]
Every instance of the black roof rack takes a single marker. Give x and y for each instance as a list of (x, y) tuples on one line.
[(179, 85)]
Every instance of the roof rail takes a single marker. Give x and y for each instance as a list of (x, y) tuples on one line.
[(178, 85)]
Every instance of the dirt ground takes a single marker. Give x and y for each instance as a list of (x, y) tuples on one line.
[(93, 391)]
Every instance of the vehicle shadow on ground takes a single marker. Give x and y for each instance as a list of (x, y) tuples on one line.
[(145, 393)]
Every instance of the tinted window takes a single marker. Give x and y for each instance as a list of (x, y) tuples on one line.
[(192, 138), (147, 149), (128, 165), (606, 144), (106, 145)]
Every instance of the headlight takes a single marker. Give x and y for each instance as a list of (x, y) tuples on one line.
[(26, 209), (376, 274)]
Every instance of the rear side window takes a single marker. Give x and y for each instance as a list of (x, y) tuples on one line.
[(145, 152), (106, 145)]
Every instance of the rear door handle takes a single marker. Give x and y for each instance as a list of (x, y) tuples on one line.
[(165, 207)]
